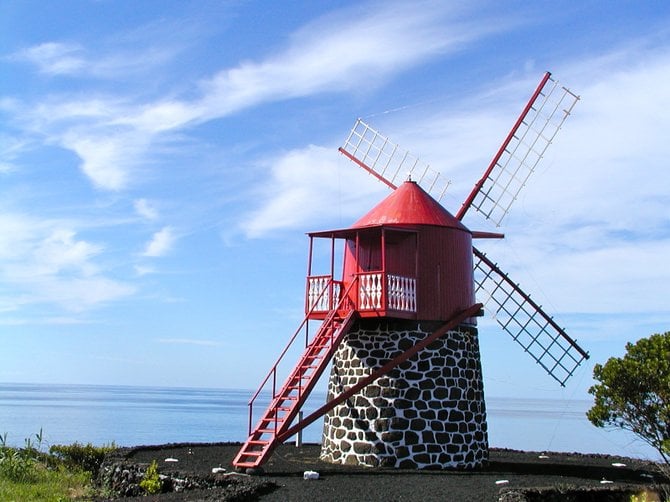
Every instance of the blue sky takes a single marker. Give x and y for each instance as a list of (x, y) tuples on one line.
[(161, 162)]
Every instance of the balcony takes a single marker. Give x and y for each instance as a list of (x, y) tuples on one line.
[(378, 294)]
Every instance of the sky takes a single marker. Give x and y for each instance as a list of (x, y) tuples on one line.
[(161, 163)]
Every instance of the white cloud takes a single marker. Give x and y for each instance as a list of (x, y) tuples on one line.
[(325, 56), (307, 187), (68, 112), (110, 155), (10, 150), (53, 57), (142, 270), (332, 54), (619, 277), (328, 55), (60, 251), (163, 116), (103, 61), (82, 293), (43, 261), (57, 321), (16, 235), (106, 160), (145, 209), (161, 243)]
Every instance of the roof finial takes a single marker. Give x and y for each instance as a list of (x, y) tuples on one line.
[(409, 176)]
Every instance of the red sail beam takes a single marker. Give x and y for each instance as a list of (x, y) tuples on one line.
[(368, 169), (525, 321), (478, 186)]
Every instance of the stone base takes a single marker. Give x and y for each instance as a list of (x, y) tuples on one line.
[(427, 413)]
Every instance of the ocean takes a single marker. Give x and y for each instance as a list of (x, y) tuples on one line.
[(131, 416)]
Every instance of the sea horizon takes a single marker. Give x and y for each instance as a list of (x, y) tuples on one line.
[(138, 415)]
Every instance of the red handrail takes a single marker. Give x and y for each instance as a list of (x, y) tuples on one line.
[(273, 370)]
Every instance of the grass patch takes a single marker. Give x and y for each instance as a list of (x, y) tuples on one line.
[(65, 473), (48, 485)]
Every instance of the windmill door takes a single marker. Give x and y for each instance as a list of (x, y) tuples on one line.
[(384, 262)]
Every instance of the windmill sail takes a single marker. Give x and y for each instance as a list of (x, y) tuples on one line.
[(526, 322), (539, 122), (388, 162), (521, 151)]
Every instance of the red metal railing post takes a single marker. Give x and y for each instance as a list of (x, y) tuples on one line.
[(299, 379), (273, 372)]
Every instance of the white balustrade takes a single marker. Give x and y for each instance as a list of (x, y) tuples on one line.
[(400, 292), (370, 291), (322, 293)]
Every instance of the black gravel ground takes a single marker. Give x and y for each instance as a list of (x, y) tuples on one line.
[(566, 476)]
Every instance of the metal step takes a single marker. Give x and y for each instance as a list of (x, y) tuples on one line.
[(301, 379)]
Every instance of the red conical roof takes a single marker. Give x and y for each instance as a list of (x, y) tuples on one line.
[(409, 204)]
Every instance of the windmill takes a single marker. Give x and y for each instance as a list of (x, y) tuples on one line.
[(406, 387)]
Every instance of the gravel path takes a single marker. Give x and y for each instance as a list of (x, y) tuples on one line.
[(509, 472)]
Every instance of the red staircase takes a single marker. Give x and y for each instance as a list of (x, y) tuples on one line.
[(285, 404)]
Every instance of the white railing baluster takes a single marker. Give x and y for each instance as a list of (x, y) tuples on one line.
[(400, 292), (322, 293)]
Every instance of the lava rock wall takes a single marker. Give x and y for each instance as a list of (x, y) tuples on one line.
[(427, 413)]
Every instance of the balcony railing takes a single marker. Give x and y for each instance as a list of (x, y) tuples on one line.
[(376, 291), (380, 291), (322, 293)]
